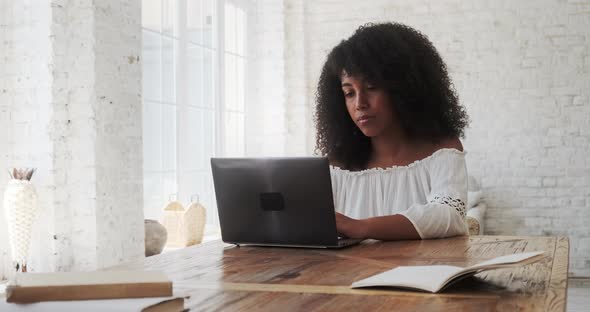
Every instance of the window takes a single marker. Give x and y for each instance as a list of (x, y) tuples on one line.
[(194, 60)]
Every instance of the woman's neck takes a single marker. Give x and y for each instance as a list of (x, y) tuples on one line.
[(394, 150)]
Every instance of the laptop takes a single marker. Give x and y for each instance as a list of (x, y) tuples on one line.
[(276, 202)]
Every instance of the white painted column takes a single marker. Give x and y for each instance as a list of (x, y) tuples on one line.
[(118, 117), (298, 105)]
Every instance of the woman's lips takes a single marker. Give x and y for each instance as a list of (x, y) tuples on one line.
[(364, 120)]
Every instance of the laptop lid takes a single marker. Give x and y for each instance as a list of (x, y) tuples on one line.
[(275, 201)]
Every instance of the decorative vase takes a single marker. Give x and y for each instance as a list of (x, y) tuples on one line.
[(155, 237), (194, 224), (20, 208)]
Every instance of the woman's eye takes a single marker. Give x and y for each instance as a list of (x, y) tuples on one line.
[(348, 94)]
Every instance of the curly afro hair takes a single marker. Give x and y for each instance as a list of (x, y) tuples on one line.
[(403, 62)]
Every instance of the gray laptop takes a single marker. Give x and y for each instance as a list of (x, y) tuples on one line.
[(276, 202)]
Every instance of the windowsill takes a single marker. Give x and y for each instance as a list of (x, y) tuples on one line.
[(211, 233)]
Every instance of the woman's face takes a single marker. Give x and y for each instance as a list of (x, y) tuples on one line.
[(368, 105)]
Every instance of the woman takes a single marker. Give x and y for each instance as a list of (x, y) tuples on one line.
[(389, 121)]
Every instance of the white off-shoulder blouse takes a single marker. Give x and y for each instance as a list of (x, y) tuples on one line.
[(431, 193)]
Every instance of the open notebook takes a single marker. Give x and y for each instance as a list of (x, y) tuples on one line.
[(433, 278)]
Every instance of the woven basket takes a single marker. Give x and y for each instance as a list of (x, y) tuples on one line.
[(185, 226)]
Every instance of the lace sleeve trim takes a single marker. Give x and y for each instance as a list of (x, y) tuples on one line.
[(456, 203)]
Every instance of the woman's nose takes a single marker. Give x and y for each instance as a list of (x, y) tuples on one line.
[(362, 102)]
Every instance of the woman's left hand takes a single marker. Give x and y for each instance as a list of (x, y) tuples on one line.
[(350, 227)]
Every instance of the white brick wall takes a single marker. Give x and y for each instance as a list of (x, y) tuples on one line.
[(25, 87), (522, 70), (72, 108)]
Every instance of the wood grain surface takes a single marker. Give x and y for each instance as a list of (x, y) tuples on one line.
[(218, 276)]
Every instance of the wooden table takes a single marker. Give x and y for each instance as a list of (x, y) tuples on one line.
[(224, 277)]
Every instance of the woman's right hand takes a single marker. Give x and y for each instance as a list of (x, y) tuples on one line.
[(350, 227)]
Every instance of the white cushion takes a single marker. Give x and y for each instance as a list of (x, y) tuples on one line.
[(473, 184), (474, 198)]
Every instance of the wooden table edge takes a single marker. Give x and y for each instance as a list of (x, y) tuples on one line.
[(330, 290)]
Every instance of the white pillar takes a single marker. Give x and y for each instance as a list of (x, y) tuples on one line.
[(298, 109)]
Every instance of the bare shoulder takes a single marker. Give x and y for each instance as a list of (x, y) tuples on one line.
[(453, 142), (429, 149)]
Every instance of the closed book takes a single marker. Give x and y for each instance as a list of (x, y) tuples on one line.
[(36, 287)]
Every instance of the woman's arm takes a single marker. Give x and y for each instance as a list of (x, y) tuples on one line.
[(394, 227)]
